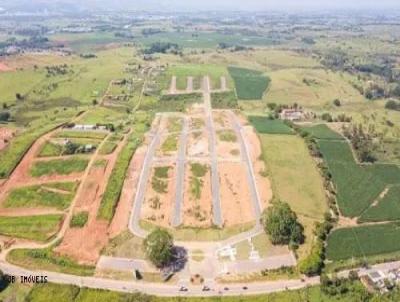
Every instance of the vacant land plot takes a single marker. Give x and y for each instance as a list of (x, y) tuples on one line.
[(236, 203), (197, 71), (250, 84), (197, 196), (363, 241), (58, 167), (39, 228), (57, 195), (295, 179), (47, 259), (322, 131), (198, 144), (357, 186), (268, 126), (170, 144), (159, 202), (224, 100)]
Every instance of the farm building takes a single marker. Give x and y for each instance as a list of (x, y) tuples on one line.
[(292, 114)]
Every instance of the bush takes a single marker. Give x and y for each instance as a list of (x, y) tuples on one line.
[(313, 263), (281, 224), (337, 103), (79, 220)]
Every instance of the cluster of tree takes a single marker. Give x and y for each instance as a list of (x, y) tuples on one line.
[(151, 31), (4, 116), (162, 47), (124, 34), (314, 262), (282, 226), (341, 118), (233, 48), (362, 142), (336, 287), (88, 55), (159, 247), (57, 70)]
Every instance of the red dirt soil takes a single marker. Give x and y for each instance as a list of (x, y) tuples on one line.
[(5, 136), (85, 244), (4, 67)]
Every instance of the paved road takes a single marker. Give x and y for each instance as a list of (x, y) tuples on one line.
[(125, 264), (160, 289), (141, 186), (217, 213), (255, 196), (180, 177)]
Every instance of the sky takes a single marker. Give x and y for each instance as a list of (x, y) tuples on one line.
[(175, 5)]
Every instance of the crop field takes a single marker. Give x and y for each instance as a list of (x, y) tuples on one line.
[(322, 131), (57, 195), (265, 125), (357, 186), (250, 84), (39, 228), (364, 241), (386, 209)]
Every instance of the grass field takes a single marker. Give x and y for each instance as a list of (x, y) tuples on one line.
[(60, 167), (38, 228), (357, 186), (42, 196), (125, 245), (81, 134), (322, 131), (47, 259), (265, 125), (250, 84), (224, 100), (311, 88), (363, 241), (295, 179), (170, 144)]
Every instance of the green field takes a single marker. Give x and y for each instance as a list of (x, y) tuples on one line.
[(46, 195), (112, 194), (81, 134), (224, 100), (363, 241), (295, 179), (322, 131), (47, 259), (357, 186), (387, 208), (58, 167), (249, 84), (38, 228), (265, 125)]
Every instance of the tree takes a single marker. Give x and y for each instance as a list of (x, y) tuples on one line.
[(337, 102), (4, 116), (281, 224), (392, 105), (158, 245)]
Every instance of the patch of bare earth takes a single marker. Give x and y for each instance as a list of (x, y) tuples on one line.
[(263, 183), (198, 144), (221, 119), (5, 137), (197, 210), (236, 200), (85, 244), (4, 67), (226, 149), (157, 207), (121, 217)]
